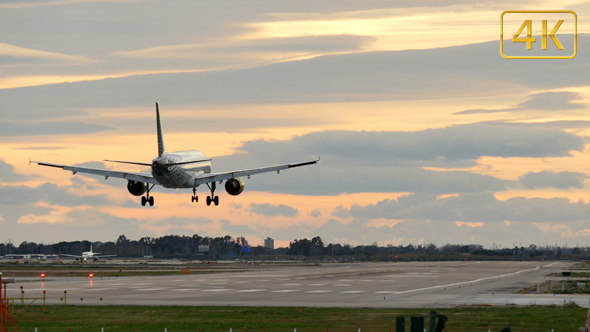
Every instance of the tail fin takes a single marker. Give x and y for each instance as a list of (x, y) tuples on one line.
[(160, 138), (90, 246)]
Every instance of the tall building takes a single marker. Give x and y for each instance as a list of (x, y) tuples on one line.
[(269, 243)]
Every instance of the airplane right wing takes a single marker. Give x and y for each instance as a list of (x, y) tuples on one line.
[(212, 177), (141, 177), (76, 256)]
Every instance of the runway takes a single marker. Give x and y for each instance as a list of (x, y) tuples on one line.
[(379, 285)]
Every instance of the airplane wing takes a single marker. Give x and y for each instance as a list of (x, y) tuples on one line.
[(141, 177), (70, 255), (103, 256), (212, 177)]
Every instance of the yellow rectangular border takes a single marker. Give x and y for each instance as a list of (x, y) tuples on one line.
[(536, 12)]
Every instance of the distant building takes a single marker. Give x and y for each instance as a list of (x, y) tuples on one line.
[(269, 243), (203, 248)]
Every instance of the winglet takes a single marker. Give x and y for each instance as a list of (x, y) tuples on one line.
[(159, 128)]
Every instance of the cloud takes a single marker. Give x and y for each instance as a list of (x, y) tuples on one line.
[(451, 72), (315, 213), (360, 161), (22, 128), (269, 210), (548, 179), (7, 173), (546, 101), (42, 148), (287, 47), (50, 193), (482, 207), (10, 54)]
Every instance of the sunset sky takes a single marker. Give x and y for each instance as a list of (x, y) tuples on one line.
[(426, 134)]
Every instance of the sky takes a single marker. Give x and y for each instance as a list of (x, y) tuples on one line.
[(426, 134)]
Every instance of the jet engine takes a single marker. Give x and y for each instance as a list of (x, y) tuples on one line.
[(95, 259), (234, 186), (136, 188)]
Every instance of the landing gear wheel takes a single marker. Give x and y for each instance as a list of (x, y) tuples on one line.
[(143, 200), (216, 200), (208, 200), (151, 200)]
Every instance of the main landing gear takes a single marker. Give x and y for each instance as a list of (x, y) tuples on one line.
[(212, 198), (147, 198)]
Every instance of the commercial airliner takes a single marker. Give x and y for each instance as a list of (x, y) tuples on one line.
[(183, 169), (88, 255)]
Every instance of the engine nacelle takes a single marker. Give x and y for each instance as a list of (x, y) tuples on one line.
[(234, 186), (136, 188), (95, 259)]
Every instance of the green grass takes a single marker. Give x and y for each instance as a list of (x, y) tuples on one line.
[(581, 274), (210, 319)]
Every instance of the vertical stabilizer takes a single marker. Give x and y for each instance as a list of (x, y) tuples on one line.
[(160, 138), (90, 246)]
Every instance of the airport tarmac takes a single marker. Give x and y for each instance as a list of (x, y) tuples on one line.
[(379, 285)]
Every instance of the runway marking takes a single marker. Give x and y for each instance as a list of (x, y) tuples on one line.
[(352, 292), (150, 289), (217, 290), (366, 280), (301, 278), (179, 280), (284, 279), (385, 292), (262, 280), (339, 285), (344, 280), (251, 290), (98, 289), (285, 291), (464, 282), (217, 283), (143, 284), (317, 284), (183, 289), (412, 273), (319, 291), (241, 282), (291, 284)]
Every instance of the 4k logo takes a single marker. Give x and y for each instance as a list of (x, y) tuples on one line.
[(529, 39)]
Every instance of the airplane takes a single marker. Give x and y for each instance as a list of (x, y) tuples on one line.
[(88, 255), (182, 169)]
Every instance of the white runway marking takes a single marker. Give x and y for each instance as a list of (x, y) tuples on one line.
[(366, 280), (285, 291), (99, 289), (384, 292), (317, 284), (284, 279), (319, 291), (218, 283), (183, 289), (150, 289), (217, 290), (291, 284), (241, 282), (340, 285), (352, 292), (251, 290), (262, 280)]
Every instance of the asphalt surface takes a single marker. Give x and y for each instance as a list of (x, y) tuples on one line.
[(378, 285)]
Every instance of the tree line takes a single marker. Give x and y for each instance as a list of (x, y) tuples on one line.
[(226, 247)]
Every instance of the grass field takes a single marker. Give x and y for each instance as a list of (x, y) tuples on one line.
[(210, 319)]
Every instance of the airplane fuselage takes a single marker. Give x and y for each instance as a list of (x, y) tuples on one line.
[(180, 176)]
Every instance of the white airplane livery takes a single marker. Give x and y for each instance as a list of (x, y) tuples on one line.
[(183, 169), (88, 255)]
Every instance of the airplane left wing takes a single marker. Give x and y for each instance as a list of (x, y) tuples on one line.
[(141, 177), (212, 177)]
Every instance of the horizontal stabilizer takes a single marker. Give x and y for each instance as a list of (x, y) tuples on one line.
[(128, 162)]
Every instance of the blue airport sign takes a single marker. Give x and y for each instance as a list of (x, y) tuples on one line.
[(231, 254), (246, 249)]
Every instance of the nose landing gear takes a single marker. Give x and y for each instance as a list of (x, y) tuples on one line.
[(195, 198), (212, 198)]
